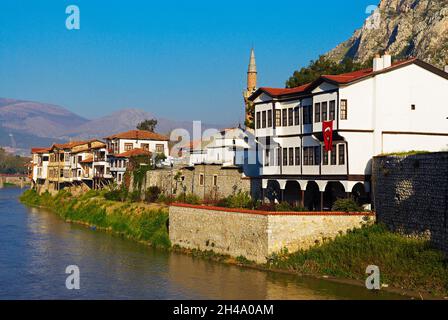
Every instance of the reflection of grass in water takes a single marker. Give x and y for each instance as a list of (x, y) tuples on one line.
[(141, 224), (403, 262)]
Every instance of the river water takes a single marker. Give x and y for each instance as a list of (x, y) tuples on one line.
[(36, 246)]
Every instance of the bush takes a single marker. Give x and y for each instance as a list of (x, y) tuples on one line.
[(152, 194), (135, 196), (241, 200), (116, 195), (189, 198), (346, 205), (163, 198)]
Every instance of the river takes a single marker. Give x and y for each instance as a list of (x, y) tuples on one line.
[(36, 246)]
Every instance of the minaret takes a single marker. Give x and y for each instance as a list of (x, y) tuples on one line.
[(251, 87)]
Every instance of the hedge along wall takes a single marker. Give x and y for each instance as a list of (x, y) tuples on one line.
[(255, 235), (411, 195)]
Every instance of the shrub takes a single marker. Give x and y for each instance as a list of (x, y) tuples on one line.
[(192, 199), (152, 194), (135, 196), (241, 200), (284, 207), (346, 205), (163, 198), (116, 195)]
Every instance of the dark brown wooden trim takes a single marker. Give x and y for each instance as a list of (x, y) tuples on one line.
[(443, 134), (350, 177)]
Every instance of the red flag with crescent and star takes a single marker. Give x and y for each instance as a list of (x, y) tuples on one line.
[(327, 130)]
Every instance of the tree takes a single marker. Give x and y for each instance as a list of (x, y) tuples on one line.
[(147, 125), (322, 66)]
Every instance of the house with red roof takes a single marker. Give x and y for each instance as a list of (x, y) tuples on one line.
[(122, 146), (318, 139)]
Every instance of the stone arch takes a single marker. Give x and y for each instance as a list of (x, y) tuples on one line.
[(273, 191), (359, 194), (292, 193), (334, 190), (312, 196)]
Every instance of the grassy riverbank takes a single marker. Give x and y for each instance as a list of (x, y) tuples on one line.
[(137, 221), (404, 263)]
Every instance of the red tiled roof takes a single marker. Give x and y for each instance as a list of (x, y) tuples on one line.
[(339, 79), (357, 75), (139, 135), (284, 91), (68, 145), (40, 150), (87, 160), (133, 153)]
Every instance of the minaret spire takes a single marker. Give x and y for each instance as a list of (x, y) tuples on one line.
[(251, 88), (252, 72)]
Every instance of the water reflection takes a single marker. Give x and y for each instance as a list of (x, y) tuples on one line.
[(37, 246)]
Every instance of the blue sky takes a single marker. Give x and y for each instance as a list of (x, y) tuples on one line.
[(176, 59)]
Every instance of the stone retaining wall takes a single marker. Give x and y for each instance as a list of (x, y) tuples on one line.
[(255, 235), (411, 195)]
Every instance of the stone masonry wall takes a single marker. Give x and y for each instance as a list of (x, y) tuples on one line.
[(255, 235), (411, 195), (229, 181)]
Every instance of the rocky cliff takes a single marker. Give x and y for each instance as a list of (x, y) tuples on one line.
[(403, 28)]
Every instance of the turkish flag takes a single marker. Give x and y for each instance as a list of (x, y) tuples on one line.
[(327, 130)]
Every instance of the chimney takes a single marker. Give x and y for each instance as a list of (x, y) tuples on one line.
[(387, 61), (378, 63)]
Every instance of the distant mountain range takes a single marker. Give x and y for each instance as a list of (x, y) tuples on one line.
[(24, 124)]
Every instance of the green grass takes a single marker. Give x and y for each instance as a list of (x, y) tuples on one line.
[(149, 225), (405, 153), (403, 262)]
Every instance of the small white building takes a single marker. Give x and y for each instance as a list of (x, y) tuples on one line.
[(137, 139), (39, 163), (392, 107)]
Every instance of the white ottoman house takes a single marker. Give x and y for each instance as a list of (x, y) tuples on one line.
[(391, 108)]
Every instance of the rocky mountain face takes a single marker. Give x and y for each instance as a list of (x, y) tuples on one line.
[(403, 28)]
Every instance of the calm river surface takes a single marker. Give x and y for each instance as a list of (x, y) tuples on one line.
[(36, 246)]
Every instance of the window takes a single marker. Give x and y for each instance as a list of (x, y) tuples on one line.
[(284, 117), (128, 146), (278, 118), (257, 116), (291, 156), (119, 177), (285, 156), (324, 111), (201, 179), (263, 119), (269, 118), (324, 157), (343, 109), (160, 148), (145, 146), (316, 156), (333, 155), (332, 110), (79, 159), (311, 156), (267, 157), (215, 180), (297, 156), (341, 154), (296, 116), (307, 115), (412, 107), (290, 117), (317, 112)]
